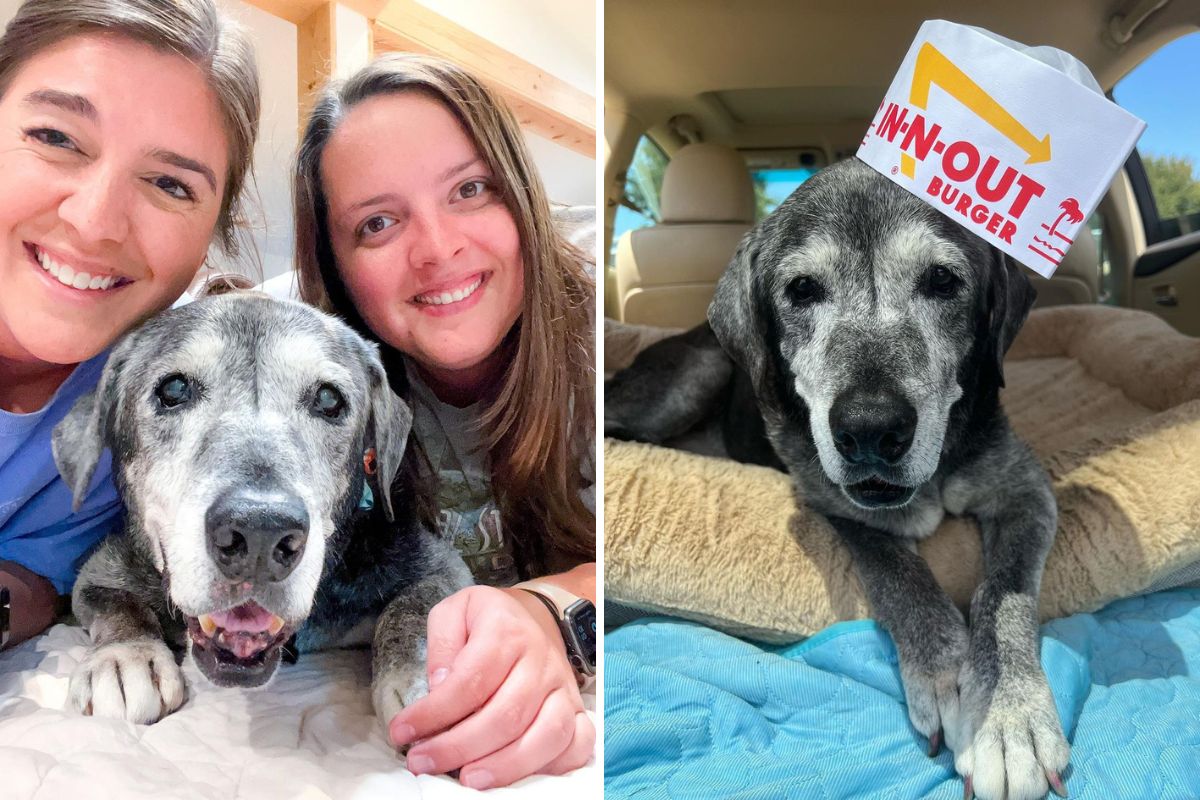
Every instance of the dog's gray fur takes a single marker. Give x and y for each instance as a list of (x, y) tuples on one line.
[(870, 246), (257, 362)]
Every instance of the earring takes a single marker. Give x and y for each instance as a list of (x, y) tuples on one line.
[(369, 461)]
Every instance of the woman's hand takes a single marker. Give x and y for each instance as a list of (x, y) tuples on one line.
[(503, 701), (32, 602)]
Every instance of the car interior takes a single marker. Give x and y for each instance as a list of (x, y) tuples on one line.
[(713, 112)]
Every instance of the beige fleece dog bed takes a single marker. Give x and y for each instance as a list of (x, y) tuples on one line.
[(1109, 400)]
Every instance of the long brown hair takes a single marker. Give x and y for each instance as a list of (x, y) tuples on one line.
[(539, 427), (194, 29)]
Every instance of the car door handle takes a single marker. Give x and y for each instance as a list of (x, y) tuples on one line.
[(1165, 295)]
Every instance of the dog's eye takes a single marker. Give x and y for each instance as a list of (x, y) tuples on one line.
[(328, 401), (805, 291), (174, 390), (941, 282)]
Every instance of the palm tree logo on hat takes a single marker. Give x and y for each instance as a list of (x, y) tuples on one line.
[(1070, 213)]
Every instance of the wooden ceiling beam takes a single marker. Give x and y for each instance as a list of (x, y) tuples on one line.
[(542, 103), (297, 11)]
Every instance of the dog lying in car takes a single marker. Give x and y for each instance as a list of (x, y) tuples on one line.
[(261, 457), (858, 335)]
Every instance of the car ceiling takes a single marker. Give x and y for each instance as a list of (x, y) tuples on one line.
[(780, 73)]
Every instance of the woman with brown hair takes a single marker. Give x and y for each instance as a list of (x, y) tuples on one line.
[(420, 218)]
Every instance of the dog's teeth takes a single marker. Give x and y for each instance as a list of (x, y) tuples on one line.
[(207, 625), (276, 626)]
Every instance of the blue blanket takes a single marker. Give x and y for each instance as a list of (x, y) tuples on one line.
[(692, 713)]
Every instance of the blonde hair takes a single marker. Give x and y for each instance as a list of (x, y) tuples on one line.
[(193, 29), (542, 415)]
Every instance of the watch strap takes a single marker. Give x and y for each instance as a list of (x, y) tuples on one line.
[(557, 600), (5, 610), (559, 597), (547, 602)]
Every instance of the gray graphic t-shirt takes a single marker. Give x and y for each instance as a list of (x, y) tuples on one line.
[(467, 511)]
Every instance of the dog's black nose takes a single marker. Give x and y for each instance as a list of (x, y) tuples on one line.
[(872, 426), (255, 536)]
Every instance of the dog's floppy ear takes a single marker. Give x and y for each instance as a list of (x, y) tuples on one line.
[(387, 429), (80, 438), (734, 313), (1010, 296)]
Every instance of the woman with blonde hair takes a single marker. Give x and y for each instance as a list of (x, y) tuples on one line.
[(421, 219), (127, 129)]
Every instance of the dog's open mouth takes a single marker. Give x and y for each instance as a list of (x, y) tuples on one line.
[(875, 492), (239, 646)]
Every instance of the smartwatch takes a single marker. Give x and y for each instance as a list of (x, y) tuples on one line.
[(5, 609), (576, 619)]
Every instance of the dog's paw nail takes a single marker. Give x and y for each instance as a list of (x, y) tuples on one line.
[(935, 743), (968, 789), (1056, 783)]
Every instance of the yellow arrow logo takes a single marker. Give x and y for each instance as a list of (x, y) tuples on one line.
[(933, 67)]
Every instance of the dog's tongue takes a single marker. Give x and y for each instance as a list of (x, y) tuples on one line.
[(248, 617)]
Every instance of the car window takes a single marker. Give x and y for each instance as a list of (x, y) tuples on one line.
[(1108, 280), (772, 187), (643, 188), (1169, 150)]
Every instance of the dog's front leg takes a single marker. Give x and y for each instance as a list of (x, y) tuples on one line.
[(671, 387), (929, 632), (129, 672), (1013, 740), (398, 652)]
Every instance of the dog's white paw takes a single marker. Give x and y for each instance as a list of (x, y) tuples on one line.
[(136, 681), (933, 705), (1013, 747), (931, 687), (398, 687)]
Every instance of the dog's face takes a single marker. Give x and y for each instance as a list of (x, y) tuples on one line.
[(879, 313), (239, 426)]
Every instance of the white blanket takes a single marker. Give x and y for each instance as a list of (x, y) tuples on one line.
[(310, 735)]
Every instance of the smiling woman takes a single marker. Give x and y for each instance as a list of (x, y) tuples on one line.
[(101, 196), (458, 211), (126, 131), (441, 248)]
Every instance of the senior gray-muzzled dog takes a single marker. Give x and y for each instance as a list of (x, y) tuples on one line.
[(871, 331), (244, 430)]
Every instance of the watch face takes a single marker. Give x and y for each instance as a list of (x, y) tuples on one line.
[(583, 623), (4, 604)]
